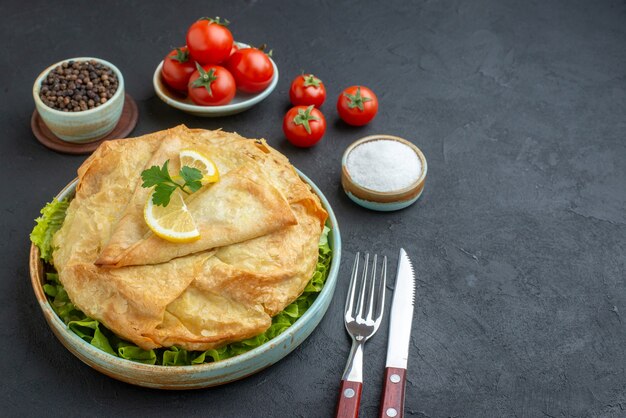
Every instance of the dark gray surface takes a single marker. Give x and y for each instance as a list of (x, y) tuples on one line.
[(519, 240)]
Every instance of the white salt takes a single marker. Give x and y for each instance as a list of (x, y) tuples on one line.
[(384, 165)]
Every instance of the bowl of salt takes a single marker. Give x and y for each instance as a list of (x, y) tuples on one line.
[(383, 172)]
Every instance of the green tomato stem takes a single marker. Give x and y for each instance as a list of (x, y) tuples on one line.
[(303, 117)]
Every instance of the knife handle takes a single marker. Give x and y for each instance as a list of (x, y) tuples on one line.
[(349, 399), (392, 404)]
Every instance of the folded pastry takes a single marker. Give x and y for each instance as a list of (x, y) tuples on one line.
[(241, 206), (260, 226)]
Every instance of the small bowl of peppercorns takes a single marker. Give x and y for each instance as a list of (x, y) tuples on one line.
[(80, 99)]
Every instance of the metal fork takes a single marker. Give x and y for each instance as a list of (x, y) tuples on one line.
[(363, 313)]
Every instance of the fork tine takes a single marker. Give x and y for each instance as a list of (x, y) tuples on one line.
[(382, 290), (351, 289), (373, 290), (361, 302)]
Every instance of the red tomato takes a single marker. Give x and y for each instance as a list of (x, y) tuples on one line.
[(306, 89), (234, 49), (211, 85), (357, 105), (209, 41), (177, 68), (304, 126), (252, 69)]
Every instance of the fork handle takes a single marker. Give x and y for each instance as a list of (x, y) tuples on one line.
[(349, 399), (392, 404)]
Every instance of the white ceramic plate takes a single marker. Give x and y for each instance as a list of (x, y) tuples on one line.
[(240, 103)]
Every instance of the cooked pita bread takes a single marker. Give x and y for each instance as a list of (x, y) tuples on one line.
[(260, 226)]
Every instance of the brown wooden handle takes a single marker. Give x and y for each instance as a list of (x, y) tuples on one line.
[(392, 404), (349, 399)]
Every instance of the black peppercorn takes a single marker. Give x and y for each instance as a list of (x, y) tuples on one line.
[(75, 86)]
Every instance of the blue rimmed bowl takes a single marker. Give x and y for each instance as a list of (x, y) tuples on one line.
[(201, 375)]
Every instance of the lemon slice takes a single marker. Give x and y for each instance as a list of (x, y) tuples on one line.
[(172, 222), (203, 163)]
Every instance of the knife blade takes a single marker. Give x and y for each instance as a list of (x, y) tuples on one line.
[(400, 321)]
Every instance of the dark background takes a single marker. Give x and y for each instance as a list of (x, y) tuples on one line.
[(519, 240)]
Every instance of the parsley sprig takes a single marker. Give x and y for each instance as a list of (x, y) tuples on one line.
[(165, 185)]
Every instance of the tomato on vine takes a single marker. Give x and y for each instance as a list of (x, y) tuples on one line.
[(306, 89), (357, 105), (304, 126)]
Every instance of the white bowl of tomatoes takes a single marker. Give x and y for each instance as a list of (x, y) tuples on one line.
[(212, 75)]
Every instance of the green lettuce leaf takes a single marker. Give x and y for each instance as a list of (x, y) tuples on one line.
[(131, 352), (96, 334), (60, 301), (51, 219)]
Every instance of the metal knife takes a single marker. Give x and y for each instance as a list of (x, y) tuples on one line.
[(400, 320)]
